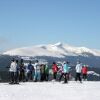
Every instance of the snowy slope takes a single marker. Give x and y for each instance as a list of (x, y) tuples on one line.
[(50, 91), (54, 50)]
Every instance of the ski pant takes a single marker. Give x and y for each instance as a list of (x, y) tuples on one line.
[(29, 76), (22, 76), (46, 77), (84, 76), (16, 77), (78, 77), (13, 77), (65, 77), (54, 75), (42, 76), (37, 76)]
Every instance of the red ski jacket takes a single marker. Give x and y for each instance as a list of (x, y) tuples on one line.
[(54, 68), (84, 70)]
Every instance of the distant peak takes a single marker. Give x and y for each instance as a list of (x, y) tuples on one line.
[(58, 44)]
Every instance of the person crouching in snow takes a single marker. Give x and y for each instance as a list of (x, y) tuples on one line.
[(84, 72), (54, 69), (78, 69)]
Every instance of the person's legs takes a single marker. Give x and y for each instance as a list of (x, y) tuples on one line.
[(28, 76), (20, 76), (31, 77), (38, 76), (65, 74), (11, 77), (46, 77), (62, 74), (76, 76), (35, 76), (79, 77), (68, 76), (85, 76), (23, 76), (15, 77), (55, 74), (41, 76)]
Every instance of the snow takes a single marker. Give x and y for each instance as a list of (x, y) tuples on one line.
[(50, 91), (54, 50)]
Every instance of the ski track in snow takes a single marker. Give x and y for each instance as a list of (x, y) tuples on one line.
[(50, 91)]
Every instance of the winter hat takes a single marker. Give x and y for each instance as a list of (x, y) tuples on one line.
[(64, 62)]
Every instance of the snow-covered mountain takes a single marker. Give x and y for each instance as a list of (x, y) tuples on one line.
[(54, 50)]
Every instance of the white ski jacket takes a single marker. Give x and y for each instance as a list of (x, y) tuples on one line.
[(13, 67), (78, 68)]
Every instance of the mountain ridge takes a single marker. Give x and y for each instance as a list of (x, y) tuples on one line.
[(59, 50)]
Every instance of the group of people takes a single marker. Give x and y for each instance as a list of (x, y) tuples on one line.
[(64, 71), (81, 70), (19, 71)]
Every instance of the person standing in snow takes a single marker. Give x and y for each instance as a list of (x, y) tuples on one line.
[(30, 68), (78, 69), (65, 71), (61, 72), (42, 69), (22, 71), (46, 72), (54, 69), (37, 75), (27, 72), (17, 73), (12, 70), (84, 72)]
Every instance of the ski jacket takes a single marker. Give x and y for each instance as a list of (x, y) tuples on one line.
[(17, 68), (37, 67), (27, 69), (78, 68), (65, 68), (46, 69), (54, 68), (42, 68), (30, 67), (84, 70), (61, 69), (13, 67), (22, 67)]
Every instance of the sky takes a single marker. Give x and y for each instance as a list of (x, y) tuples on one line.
[(32, 22)]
